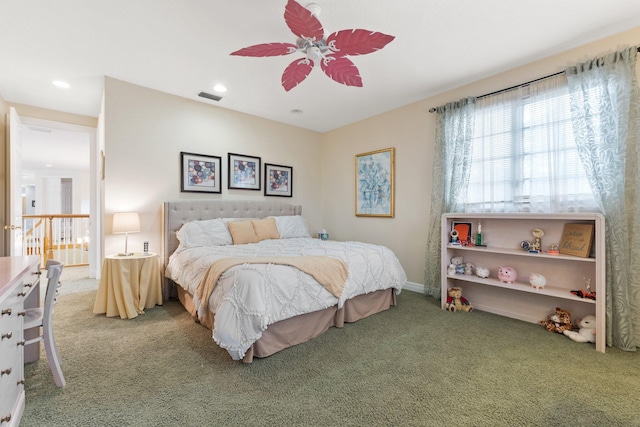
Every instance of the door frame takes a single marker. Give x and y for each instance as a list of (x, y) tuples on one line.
[(94, 185)]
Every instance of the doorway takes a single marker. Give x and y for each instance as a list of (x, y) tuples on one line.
[(59, 162)]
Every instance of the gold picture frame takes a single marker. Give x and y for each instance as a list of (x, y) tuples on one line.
[(375, 183)]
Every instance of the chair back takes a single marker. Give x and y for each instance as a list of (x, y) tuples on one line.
[(54, 270)]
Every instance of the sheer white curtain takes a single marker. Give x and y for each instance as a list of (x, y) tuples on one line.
[(606, 116), (451, 165), (524, 156)]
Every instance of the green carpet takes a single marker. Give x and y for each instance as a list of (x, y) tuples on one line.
[(414, 365)]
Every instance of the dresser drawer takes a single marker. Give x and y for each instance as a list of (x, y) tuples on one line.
[(19, 288), (11, 373)]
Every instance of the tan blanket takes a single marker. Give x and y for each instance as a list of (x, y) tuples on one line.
[(329, 272)]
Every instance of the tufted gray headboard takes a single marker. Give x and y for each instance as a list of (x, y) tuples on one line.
[(178, 212)]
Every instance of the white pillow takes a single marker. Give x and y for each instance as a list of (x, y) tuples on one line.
[(210, 232), (291, 226)]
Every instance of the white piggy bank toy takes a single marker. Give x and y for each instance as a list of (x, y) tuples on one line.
[(537, 280), (482, 271), (507, 274)]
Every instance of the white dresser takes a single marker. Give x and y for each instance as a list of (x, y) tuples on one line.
[(19, 288)]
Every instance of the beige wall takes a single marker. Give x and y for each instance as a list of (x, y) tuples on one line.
[(145, 131), (411, 130)]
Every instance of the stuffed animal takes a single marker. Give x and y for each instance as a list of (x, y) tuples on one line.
[(451, 269), (468, 268), (482, 271), (559, 321), (458, 262), (507, 274), (537, 281), (587, 331), (455, 300)]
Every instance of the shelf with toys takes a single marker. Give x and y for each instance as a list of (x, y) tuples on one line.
[(529, 264)]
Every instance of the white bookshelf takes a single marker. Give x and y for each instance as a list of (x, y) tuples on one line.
[(502, 234)]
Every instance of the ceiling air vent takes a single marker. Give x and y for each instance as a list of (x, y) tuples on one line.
[(210, 96)]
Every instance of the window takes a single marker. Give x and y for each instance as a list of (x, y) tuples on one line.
[(524, 157)]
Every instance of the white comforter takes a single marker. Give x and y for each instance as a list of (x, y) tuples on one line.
[(250, 297)]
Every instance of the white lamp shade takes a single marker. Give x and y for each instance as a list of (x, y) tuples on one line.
[(126, 222)]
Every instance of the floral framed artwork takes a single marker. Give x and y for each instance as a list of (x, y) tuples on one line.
[(244, 172), (375, 190), (200, 173), (278, 180)]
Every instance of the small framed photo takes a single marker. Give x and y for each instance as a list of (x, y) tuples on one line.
[(244, 172), (464, 230), (278, 180), (200, 173)]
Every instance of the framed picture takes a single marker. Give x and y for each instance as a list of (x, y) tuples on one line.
[(375, 190), (200, 173), (464, 229), (577, 239), (278, 180), (244, 172)]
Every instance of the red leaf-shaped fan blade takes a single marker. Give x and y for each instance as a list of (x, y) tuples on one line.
[(266, 49), (342, 70), (301, 22), (295, 73), (358, 42)]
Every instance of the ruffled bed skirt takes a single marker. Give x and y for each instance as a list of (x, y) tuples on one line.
[(302, 328)]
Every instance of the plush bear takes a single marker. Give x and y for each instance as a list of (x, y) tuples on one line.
[(455, 300), (458, 262), (587, 331), (559, 321)]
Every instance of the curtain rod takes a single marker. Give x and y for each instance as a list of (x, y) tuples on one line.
[(432, 110)]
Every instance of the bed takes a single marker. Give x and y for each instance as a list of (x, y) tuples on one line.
[(257, 308)]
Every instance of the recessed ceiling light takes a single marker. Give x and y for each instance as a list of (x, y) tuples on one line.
[(61, 84), (220, 88), (48, 166)]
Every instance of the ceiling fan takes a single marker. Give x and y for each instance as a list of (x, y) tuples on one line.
[(330, 52)]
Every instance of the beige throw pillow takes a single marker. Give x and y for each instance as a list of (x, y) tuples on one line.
[(242, 232), (265, 229)]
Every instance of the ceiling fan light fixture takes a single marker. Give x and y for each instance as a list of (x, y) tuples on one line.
[(329, 52), (314, 8)]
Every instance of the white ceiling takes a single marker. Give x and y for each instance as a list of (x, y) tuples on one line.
[(182, 48), (48, 150)]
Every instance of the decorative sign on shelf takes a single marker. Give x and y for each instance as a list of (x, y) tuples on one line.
[(577, 239)]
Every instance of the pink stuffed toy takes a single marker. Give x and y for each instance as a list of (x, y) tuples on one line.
[(507, 274)]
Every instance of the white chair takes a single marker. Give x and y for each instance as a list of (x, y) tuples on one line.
[(43, 317)]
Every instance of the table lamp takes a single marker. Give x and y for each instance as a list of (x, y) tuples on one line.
[(126, 222)]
